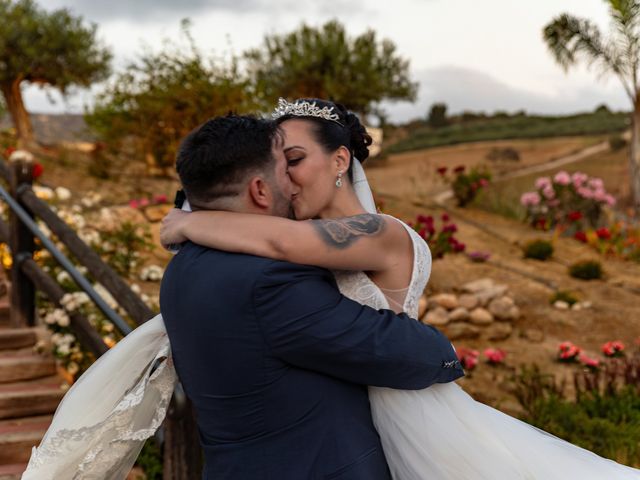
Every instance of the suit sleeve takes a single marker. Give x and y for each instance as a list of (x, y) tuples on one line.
[(307, 322)]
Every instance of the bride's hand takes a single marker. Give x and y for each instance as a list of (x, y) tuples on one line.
[(171, 231)]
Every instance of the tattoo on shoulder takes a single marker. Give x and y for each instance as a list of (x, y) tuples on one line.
[(344, 232)]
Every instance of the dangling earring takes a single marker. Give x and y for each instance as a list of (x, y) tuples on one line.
[(339, 180)]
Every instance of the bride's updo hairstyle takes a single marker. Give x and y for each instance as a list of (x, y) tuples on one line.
[(333, 126)]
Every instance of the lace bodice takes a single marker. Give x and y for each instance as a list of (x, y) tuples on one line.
[(359, 287)]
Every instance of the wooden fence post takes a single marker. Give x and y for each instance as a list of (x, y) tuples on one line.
[(182, 451), (21, 242)]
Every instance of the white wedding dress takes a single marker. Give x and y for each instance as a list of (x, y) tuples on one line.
[(439, 433)]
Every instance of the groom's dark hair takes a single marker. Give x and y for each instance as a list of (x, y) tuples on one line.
[(218, 155)]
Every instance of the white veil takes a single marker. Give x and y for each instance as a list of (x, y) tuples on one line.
[(104, 419)]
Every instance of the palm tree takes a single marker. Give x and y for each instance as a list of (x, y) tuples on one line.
[(571, 39)]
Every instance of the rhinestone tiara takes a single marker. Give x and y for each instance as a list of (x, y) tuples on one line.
[(302, 108)]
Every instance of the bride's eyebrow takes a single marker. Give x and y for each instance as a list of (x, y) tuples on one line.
[(293, 147)]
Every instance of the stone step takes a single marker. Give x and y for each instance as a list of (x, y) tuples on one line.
[(13, 338), (15, 368), (17, 437), (4, 312), (30, 398), (12, 471)]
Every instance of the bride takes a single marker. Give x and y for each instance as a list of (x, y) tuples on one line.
[(438, 433)]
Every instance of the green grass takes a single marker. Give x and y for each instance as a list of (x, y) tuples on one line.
[(514, 127)]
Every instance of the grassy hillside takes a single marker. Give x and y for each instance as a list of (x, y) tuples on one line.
[(420, 135)]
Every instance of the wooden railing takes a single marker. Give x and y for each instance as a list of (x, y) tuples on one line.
[(182, 453)]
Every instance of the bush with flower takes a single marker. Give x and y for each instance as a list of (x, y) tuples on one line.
[(442, 240), (621, 239), (568, 352), (465, 185), (468, 357), (613, 349), (571, 201), (495, 356)]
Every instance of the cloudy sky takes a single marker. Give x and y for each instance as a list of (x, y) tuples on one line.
[(471, 54)]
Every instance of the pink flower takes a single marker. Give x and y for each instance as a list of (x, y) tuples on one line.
[(579, 178), (134, 203), (596, 183), (599, 195), (495, 355), (160, 199), (530, 199), (548, 192), (585, 192), (143, 202), (568, 352), (592, 363), (613, 349), (542, 182), (483, 182), (468, 357), (609, 200), (562, 178)]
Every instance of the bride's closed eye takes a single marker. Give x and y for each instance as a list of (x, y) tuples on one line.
[(294, 161)]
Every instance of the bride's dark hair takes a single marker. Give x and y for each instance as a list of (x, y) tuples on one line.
[(332, 135)]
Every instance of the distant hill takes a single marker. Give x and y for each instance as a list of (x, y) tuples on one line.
[(56, 129), (476, 128)]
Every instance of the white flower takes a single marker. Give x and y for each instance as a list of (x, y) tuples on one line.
[(106, 296), (135, 288), (76, 209), (152, 273), (89, 236), (43, 193), (63, 276), (107, 327), (71, 301), (73, 368), (63, 193), (63, 349), (50, 319), (63, 319)]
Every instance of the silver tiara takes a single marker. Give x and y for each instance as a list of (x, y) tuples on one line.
[(302, 108)]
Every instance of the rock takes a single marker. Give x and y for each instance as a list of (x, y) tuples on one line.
[(533, 335), (460, 314), (436, 317), (485, 296), (514, 313), (561, 305), (445, 300), (502, 308), (478, 285), (498, 331), (576, 306), (461, 330), (468, 301), (586, 304), (481, 316), (422, 306)]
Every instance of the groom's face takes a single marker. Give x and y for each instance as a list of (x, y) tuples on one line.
[(283, 188)]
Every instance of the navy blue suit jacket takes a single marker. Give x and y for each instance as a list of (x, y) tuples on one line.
[(276, 363)]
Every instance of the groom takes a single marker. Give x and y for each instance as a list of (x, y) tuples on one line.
[(275, 360)]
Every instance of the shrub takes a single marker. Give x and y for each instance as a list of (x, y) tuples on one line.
[(604, 417), (440, 241), (466, 186), (570, 201), (586, 270), (617, 142), (538, 250), (563, 296), (509, 154)]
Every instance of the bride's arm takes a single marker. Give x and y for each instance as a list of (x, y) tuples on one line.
[(366, 242)]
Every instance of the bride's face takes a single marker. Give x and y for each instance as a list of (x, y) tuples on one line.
[(311, 169)]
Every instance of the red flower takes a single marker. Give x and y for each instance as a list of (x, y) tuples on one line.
[(568, 352), (575, 216), (425, 219), (495, 355), (134, 203), (445, 217), (37, 171), (613, 349), (592, 363), (468, 357), (603, 233), (459, 247), (160, 199), (452, 228), (442, 170), (483, 182), (580, 236), (8, 151), (459, 169)]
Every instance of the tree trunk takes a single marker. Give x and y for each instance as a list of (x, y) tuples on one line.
[(634, 159), (13, 98)]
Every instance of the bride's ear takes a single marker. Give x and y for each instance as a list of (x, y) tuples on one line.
[(259, 192), (342, 158)]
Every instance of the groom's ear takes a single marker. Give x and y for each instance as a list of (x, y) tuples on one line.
[(260, 193)]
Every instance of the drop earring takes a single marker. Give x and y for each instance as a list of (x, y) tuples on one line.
[(339, 180)]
